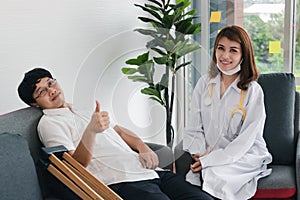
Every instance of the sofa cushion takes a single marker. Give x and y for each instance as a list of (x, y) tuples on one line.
[(24, 121), (281, 184), (18, 175), (279, 90)]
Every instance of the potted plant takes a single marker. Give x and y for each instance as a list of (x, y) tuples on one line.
[(170, 33)]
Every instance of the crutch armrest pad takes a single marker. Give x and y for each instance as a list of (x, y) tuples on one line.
[(58, 151)]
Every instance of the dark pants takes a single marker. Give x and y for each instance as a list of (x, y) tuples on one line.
[(168, 186)]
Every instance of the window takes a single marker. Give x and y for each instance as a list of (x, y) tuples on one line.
[(264, 20), (272, 24)]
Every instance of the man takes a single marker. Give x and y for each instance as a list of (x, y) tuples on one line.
[(110, 152)]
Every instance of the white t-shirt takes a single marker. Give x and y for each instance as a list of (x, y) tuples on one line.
[(113, 160)]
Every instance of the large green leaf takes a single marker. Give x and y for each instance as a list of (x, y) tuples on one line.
[(161, 52), (163, 32), (151, 91), (179, 45), (182, 65), (152, 44), (138, 79), (191, 13), (164, 82), (161, 60), (157, 41), (197, 30), (186, 3), (145, 31), (166, 4), (193, 29), (156, 2), (178, 15), (139, 60), (159, 87), (169, 45), (147, 69), (154, 8), (188, 48), (152, 21), (176, 6), (152, 12), (158, 100), (126, 70), (168, 21), (184, 22), (172, 62)]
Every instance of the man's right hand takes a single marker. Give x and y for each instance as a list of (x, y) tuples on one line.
[(99, 121)]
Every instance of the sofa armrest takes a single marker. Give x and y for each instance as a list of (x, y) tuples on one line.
[(297, 160), (165, 155), (297, 139), (182, 160)]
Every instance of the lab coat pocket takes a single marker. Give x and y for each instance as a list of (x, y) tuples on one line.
[(234, 125)]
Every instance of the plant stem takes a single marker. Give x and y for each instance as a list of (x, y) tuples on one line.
[(171, 129), (168, 116), (172, 95)]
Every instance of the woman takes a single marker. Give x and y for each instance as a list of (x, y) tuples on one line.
[(225, 131)]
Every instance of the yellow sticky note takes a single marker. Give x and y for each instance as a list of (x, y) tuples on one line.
[(215, 16), (274, 47)]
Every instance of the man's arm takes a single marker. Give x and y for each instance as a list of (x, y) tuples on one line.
[(147, 157), (84, 151)]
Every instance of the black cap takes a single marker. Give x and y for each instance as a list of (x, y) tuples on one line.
[(27, 86)]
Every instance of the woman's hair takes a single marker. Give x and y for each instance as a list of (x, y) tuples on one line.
[(248, 72)]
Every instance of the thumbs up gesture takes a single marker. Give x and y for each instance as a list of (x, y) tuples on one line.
[(99, 121)]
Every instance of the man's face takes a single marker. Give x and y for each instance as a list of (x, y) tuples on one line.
[(48, 94)]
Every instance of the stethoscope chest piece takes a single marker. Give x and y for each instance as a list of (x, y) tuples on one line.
[(207, 101)]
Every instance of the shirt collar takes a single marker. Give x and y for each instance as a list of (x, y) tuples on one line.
[(234, 84), (57, 111), (217, 80)]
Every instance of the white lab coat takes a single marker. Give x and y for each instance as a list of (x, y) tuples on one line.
[(239, 155)]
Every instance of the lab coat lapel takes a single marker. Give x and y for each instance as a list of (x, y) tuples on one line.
[(216, 114)]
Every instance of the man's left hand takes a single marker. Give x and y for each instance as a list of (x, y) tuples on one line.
[(148, 158)]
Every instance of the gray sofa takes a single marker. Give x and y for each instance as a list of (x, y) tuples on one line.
[(21, 175), (281, 134)]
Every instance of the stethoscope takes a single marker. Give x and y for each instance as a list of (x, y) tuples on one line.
[(208, 101)]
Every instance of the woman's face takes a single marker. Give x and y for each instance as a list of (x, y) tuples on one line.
[(228, 54)]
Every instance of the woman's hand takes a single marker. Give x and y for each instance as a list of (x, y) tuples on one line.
[(196, 166)]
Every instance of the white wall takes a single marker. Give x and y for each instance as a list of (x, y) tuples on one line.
[(84, 44)]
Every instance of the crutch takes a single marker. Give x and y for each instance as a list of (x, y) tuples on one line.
[(71, 173)]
